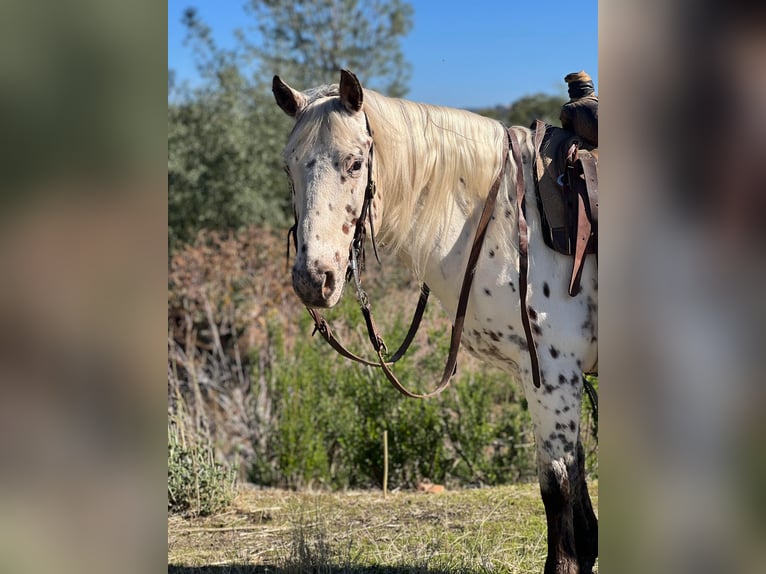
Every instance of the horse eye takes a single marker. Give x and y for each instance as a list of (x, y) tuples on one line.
[(357, 165)]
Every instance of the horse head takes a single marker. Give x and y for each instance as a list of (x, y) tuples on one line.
[(327, 159)]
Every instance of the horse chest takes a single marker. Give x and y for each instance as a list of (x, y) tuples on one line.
[(493, 331)]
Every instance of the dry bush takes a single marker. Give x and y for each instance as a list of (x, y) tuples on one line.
[(226, 293), (230, 306)]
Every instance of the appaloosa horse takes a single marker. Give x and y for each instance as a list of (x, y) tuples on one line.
[(433, 169)]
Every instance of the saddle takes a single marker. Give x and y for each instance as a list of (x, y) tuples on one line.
[(566, 180)]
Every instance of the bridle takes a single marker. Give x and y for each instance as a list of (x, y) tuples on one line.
[(357, 262)]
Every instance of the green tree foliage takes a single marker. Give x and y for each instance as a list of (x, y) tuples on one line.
[(224, 141), (225, 137), (224, 168), (308, 41), (527, 109)]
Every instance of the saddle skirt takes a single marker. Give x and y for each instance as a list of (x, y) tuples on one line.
[(566, 179)]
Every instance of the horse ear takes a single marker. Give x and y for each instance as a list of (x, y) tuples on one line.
[(291, 101), (350, 92)]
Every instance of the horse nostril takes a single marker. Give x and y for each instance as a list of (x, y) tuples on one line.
[(328, 286)]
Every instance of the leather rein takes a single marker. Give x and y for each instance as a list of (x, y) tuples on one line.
[(357, 261)]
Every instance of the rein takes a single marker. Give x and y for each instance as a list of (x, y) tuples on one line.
[(356, 264), (524, 254)]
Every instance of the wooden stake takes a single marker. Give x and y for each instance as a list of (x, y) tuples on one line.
[(385, 463)]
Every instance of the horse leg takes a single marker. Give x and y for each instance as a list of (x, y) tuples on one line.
[(555, 410), (585, 521), (556, 492)]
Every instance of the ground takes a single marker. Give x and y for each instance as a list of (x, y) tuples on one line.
[(498, 529)]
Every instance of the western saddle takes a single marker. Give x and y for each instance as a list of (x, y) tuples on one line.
[(567, 177)]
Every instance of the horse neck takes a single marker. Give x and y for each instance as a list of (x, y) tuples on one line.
[(433, 167)]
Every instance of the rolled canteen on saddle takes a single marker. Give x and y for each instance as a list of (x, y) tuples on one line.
[(580, 114)]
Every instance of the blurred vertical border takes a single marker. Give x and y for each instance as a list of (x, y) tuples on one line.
[(83, 267), (683, 107)]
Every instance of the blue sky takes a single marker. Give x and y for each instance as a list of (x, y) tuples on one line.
[(465, 53)]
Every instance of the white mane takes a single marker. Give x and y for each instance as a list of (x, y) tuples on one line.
[(428, 160)]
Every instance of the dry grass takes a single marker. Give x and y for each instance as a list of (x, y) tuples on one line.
[(488, 530)]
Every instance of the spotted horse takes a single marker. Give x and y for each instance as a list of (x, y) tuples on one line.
[(454, 194)]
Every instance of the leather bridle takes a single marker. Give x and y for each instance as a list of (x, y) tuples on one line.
[(357, 261)]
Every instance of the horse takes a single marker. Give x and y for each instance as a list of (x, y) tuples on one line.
[(433, 170)]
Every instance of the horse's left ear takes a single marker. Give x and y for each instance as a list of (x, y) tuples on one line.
[(291, 101), (350, 92)]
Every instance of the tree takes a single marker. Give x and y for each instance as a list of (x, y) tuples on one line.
[(308, 41), (224, 141), (226, 135), (224, 168), (527, 109)]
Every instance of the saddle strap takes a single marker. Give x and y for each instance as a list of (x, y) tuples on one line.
[(524, 256), (581, 244), (583, 182), (589, 162), (465, 289)]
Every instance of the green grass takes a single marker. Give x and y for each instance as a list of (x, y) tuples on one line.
[(499, 529)]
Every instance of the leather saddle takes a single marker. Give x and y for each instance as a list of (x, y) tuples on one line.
[(566, 179)]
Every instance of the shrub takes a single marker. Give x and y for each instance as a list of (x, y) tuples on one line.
[(292, 413), (198, 485), (331, 415)]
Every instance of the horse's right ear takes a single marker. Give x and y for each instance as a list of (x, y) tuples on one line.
[(351, 93), (291, 101)]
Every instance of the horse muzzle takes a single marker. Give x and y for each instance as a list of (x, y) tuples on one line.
[(318, 286)]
